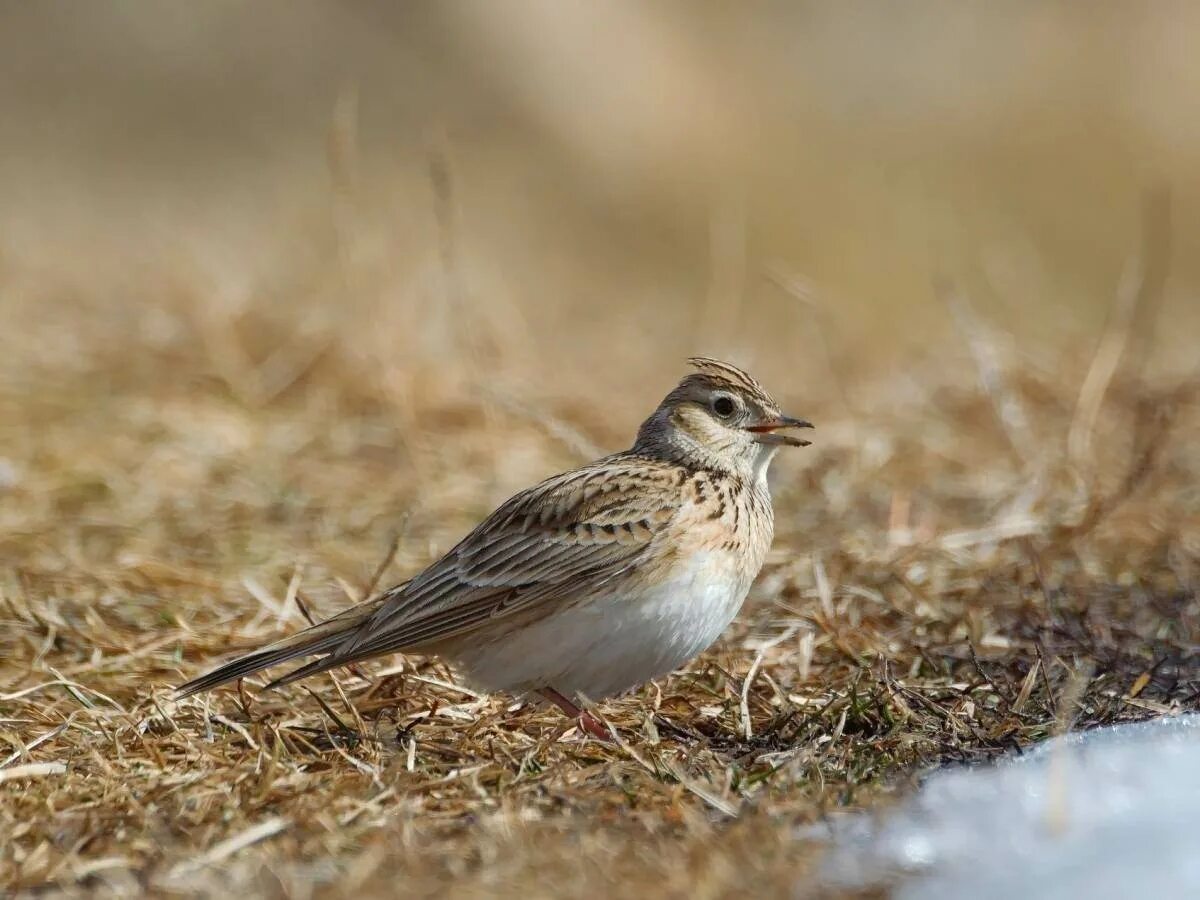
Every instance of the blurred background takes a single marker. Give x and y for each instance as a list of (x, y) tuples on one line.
[(574, 190)]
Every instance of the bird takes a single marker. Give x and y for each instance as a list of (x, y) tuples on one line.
[(594, 581)]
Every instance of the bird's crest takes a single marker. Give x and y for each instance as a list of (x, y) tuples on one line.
[(730, 374)]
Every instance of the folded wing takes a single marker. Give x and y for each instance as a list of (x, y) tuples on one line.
[(560, 540)]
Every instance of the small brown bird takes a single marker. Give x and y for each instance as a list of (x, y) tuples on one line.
[(593, 581)]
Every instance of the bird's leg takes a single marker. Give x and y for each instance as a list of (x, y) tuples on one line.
[(587, 721)]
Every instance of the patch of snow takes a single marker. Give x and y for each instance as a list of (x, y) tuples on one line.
[(1108, 813)]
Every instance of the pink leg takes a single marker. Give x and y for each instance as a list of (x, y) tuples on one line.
[(589, 723)]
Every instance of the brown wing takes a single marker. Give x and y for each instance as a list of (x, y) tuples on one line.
[(568, 535)]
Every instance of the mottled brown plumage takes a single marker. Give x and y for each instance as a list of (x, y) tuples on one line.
[(594, 580)]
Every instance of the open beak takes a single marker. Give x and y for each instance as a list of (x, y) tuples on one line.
[(768, 432)]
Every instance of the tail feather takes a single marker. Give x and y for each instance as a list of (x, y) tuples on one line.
[(317, 665), (324, 637)]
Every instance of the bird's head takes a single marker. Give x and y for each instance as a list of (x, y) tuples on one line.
[(718, 417)]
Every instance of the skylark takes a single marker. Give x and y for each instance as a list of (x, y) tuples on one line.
[(593, 581)]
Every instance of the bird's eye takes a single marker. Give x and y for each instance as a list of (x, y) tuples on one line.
[(723, 406)]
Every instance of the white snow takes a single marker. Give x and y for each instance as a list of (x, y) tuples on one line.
[(1108, 813)]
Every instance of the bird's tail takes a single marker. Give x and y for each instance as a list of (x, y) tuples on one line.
[(322, 638)]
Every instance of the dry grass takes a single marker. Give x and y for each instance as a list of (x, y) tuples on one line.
[(217, 417), (939, 582)]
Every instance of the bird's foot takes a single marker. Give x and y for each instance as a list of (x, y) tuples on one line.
[(593, 726), (587, 722)]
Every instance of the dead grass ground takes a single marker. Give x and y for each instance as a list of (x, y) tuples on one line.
[(945, 585)]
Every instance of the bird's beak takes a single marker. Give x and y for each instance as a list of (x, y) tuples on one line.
[(768, 432)]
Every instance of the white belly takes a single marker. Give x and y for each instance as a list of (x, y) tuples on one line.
[(606, 645)]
